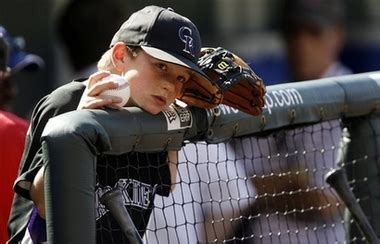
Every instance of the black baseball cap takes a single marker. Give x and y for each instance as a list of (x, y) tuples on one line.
[(167, 36)]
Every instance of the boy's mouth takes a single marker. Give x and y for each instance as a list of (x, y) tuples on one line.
[(160, 99)]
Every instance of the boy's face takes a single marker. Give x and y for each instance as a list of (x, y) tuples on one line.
[(154, 84)]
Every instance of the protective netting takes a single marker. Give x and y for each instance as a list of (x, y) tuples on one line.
[(267, 188), (237, 179), (363, 169)]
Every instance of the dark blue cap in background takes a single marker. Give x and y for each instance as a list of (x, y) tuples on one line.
[(14, 56)]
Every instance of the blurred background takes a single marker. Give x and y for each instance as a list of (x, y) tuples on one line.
[(250, 28)]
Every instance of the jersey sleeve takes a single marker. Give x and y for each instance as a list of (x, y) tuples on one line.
[(64, 99)]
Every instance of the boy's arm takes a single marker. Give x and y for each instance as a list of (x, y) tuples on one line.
[(88, 100), (62, 100), (173, 162), (37, 192)]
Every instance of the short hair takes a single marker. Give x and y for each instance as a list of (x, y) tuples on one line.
[(311, 15)]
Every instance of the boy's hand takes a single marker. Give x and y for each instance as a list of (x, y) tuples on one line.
[(94, 87)]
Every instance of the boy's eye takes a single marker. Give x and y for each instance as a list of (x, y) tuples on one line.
[(162, 66)]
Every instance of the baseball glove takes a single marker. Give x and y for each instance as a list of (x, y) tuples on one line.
[(241, 87)]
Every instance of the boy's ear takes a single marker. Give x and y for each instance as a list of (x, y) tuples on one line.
[(119, 53)]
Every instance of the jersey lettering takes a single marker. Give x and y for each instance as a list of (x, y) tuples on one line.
[(135, 193)]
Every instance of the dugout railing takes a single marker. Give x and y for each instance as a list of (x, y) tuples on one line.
[(243, 179)]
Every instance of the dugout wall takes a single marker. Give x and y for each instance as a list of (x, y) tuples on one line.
[(240, 178)]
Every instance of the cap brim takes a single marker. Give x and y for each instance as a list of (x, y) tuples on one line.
[(200, 78), (173, 58), (24, 61)]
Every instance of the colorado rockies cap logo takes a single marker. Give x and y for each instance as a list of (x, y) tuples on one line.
[(185, 34)]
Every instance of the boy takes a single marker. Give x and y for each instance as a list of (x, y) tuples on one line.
[(156, 66)]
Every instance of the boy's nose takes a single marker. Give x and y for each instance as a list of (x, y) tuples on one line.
[(170, 85)]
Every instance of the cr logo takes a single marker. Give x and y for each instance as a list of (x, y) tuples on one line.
[(185, 34)]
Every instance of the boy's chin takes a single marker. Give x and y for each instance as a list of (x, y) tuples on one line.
[(156, 109), (153, 111)]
